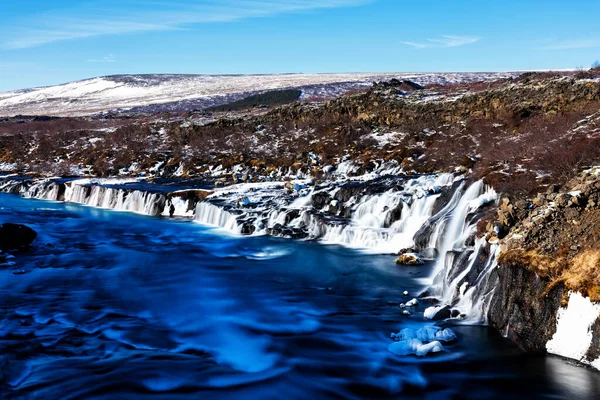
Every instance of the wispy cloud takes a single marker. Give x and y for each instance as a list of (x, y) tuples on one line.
[(107, 59), (134, 16), (444, 41), (589, 43)]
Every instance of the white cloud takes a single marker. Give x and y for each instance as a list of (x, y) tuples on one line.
[(444, 41), (574, 44), (134, 16), (107, 59)]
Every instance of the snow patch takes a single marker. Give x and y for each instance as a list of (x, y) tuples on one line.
[(573, 335)]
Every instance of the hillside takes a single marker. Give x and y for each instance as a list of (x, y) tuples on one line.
[(177, 93)]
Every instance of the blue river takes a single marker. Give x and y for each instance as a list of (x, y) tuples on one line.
[(110, 305)]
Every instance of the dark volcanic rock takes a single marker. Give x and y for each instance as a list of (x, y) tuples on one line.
[(522, 311), (320, 200), (594, 350), (14, 236), (248, 228), (443, 313)]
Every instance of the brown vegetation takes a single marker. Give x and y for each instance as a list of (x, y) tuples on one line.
[(518, 134), (579, 274)]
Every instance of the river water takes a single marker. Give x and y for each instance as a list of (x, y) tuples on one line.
[(111, 305)]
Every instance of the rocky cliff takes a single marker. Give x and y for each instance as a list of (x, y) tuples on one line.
[(548, 267)]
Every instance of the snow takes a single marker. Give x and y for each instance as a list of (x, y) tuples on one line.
[(6, 167), (386, 138), (106, 181), (573, 335)]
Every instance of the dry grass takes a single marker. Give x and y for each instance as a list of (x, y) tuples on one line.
[(579, 274), (543, 265), (583, 274)]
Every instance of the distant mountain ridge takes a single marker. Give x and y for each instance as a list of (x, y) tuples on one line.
[(178, 93)]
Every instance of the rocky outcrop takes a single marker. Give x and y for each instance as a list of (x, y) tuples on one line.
[(378, 107), (550, 252)]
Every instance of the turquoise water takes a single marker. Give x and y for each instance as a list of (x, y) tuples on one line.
[(112, 305)]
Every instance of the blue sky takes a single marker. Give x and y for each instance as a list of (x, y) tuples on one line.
[(46, 42)]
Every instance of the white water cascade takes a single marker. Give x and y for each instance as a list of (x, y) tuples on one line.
[(454, 228), (474, 299), (119, 199), (43, 190), (181, 208), (366, 229), (372, 226), (210, 214), (136, 201)]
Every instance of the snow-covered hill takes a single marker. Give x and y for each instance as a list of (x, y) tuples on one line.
[(190, 92)]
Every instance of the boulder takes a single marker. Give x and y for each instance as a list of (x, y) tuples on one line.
[(438, 313), (14, 236), (409, 259), (248, 228)]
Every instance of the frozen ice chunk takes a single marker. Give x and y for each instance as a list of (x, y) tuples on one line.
[(421, 342), (405, 347), (433, 347), (426, 334), (445, 335), (415, 346), (432, 333), (412, 303)]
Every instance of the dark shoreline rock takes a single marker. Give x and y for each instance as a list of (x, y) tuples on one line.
[(15, 236), (522, 311)]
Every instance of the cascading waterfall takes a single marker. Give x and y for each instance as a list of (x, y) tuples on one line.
[(43, 190), (461, 275), (381, 223), (119, 199), (134, 201), (210, 214), (368, 226), (457, 228), (367, 230), (474, 299)]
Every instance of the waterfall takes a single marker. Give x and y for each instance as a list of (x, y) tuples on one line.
[(210, 214), (44, 190), (381, 216), (461, 274), (372, 211), (181, 207), (117, 199), (366, 229), (94, 195), (474, 298), (458, 228)]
